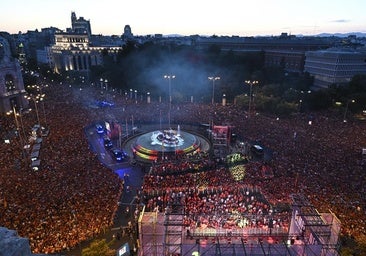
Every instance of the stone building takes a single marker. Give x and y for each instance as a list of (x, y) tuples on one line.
[(289, 60), (75, 53), (80, 25), (12, 244), (12, 90)]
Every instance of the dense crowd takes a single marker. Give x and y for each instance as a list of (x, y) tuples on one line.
[(316, 154), (74, 197), (213, 198)]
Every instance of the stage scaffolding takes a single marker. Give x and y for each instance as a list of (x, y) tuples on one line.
[(151, 233), (318, 230), (310, 233)]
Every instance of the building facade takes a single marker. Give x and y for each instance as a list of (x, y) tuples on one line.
[(334, 66), (127, 33), (74, 52), (71, 52), (80, 25), (11, 81), (291, 61)]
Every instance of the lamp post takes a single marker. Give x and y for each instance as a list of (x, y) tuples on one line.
[(20, 114), (251, 83), (17, 128), (101, 84), (106, 84), (148, 98), (302, 98), (346, 110), (44, 112), (42, 98), (169, 77), (213, 79), (35, 106)]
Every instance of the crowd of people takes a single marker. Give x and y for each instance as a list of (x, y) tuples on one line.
[(213, 198), (73, 197), (317, 154)]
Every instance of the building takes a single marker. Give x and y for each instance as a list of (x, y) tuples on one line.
[(80, 25), (74, 52), (45, 56), (11, 81), (127, 33), (284, 51), (291, 61), (71, 52), (257, 44), (12, 244), (334, 66), (27, 45)]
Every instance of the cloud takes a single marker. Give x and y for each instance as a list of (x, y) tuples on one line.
[(341, 21)]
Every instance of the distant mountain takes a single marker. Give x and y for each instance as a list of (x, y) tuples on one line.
[(358, 34), (173, 35)]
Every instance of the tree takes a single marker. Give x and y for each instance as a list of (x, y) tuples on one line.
[(319, 100), (358, 84), (98, 248)]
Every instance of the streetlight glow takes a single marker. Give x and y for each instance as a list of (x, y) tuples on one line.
[(346, 110), (251, 83), (13, 111), (35, 101), (169, 77), (101, 84), (213, 79)]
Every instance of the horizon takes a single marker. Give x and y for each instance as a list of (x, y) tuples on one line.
[(262, 18)]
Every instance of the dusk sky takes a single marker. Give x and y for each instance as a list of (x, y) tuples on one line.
[(189, 17)]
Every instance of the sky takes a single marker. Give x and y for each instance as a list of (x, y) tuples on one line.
[(189, 17)]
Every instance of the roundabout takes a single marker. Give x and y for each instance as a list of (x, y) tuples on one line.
[(160, 144)]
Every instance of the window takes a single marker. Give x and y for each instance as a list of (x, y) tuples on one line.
[(9, 83)]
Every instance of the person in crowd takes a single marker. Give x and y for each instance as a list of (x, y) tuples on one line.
[(73, 197)]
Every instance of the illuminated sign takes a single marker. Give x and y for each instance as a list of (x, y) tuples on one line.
[(124, 250)]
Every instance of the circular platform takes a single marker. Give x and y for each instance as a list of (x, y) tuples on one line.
[(158, 143)]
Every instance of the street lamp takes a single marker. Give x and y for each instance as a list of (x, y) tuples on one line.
[(106, 84), (251, 83), (17, 127), (41, 96), (302, 98), (20, 114), (101, 84), (346, 110), (44, 111), (35, 101), (148, 97), (213, 79), (169, 77)]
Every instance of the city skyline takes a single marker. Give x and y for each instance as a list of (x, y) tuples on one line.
[(241, 18)]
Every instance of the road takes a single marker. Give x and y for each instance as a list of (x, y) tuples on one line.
[(132, 175)]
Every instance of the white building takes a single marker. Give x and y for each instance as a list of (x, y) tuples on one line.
[(73, 50)]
